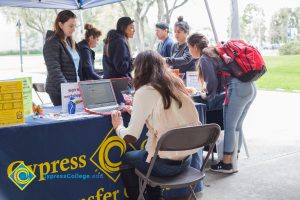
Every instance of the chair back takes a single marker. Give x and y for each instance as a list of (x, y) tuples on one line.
[(188, 138), (39, 87)]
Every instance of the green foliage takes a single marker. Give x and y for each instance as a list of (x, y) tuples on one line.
[(253, 26), (290, 48), (281, 21), (16, 52), (283, 73)]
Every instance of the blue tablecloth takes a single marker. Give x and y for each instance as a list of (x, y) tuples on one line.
[(66, 160)]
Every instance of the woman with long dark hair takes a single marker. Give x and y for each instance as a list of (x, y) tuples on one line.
[(162, 103), (61, 55), (238, 100), (117, 58), (180, 56)]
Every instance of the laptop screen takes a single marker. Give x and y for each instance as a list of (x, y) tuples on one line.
[(97, 94), (119, 85)]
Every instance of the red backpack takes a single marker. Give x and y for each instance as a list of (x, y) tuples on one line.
[(243, 61)]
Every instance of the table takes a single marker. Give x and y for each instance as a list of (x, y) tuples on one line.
[(75, 159)]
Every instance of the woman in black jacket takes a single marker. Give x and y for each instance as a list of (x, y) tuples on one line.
[(117, 59), (87, 54), (61, 56)]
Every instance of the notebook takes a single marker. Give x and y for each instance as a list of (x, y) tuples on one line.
[(98, 97)]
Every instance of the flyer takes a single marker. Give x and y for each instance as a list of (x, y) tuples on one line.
[(11, 103)]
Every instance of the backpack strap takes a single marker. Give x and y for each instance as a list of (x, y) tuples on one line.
[(224, 75)]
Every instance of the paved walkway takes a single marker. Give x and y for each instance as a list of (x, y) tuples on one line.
[(273, 138)]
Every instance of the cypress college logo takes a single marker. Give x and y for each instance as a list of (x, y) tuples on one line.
[(102, 159), (22, 176)]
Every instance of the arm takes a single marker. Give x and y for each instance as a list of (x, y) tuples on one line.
[(181, 60), (87, 64), (121, 57), (51, 54), (168, 49), (143, 104), (210, 78)]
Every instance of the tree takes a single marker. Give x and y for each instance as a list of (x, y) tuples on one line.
[(139, 10), (36, 19), (253, 25), (282, 21)]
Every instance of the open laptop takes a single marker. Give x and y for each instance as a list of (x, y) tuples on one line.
[(119, 85), (98, 97)]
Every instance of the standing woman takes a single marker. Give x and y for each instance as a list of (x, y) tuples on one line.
[(91, 40), (61, 56), (180, 56), (117, 59), (240, 96)]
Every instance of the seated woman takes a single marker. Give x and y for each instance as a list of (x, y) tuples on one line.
[(61, 55), (162, 103), (87, 54)]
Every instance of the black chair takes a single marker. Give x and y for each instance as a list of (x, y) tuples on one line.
[(179, 140)]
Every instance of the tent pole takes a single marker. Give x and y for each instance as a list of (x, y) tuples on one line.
[(235, 24), (81, 21), (211, 21), (20, 41)]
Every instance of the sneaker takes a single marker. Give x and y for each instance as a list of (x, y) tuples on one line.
[(222, 168)]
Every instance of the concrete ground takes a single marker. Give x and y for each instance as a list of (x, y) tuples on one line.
[(272, 133), (273, 138)]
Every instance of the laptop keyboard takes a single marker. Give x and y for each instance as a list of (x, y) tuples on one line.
[(105, 110)]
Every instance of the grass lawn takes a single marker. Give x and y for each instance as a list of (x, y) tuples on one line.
[(283, 72)]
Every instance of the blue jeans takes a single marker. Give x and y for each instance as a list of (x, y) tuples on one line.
[(137, 159), (240, 97)]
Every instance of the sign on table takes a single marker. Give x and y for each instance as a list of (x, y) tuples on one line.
[(11, 103), (68, 89), (192, 80)]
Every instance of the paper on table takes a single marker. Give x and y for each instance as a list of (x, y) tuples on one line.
[(192, 80), (11, 103), (68, 89)]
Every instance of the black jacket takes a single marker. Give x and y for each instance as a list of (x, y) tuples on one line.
[(87, 55), (181, 58), (60, 65), (118, 62)]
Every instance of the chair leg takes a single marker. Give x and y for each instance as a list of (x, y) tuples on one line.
[(142, 187), (192, 189), (39, 97), (246, 147)]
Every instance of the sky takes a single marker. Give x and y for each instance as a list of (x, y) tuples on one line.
[(194, 12)]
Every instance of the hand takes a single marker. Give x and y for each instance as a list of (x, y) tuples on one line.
[(191, 90), (116, 119), (128, 99), (203, 95), (127, 109)]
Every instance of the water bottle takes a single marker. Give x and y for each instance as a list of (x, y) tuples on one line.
[(72, 105)]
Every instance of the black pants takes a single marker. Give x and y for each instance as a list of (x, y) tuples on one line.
[(131, 182)]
